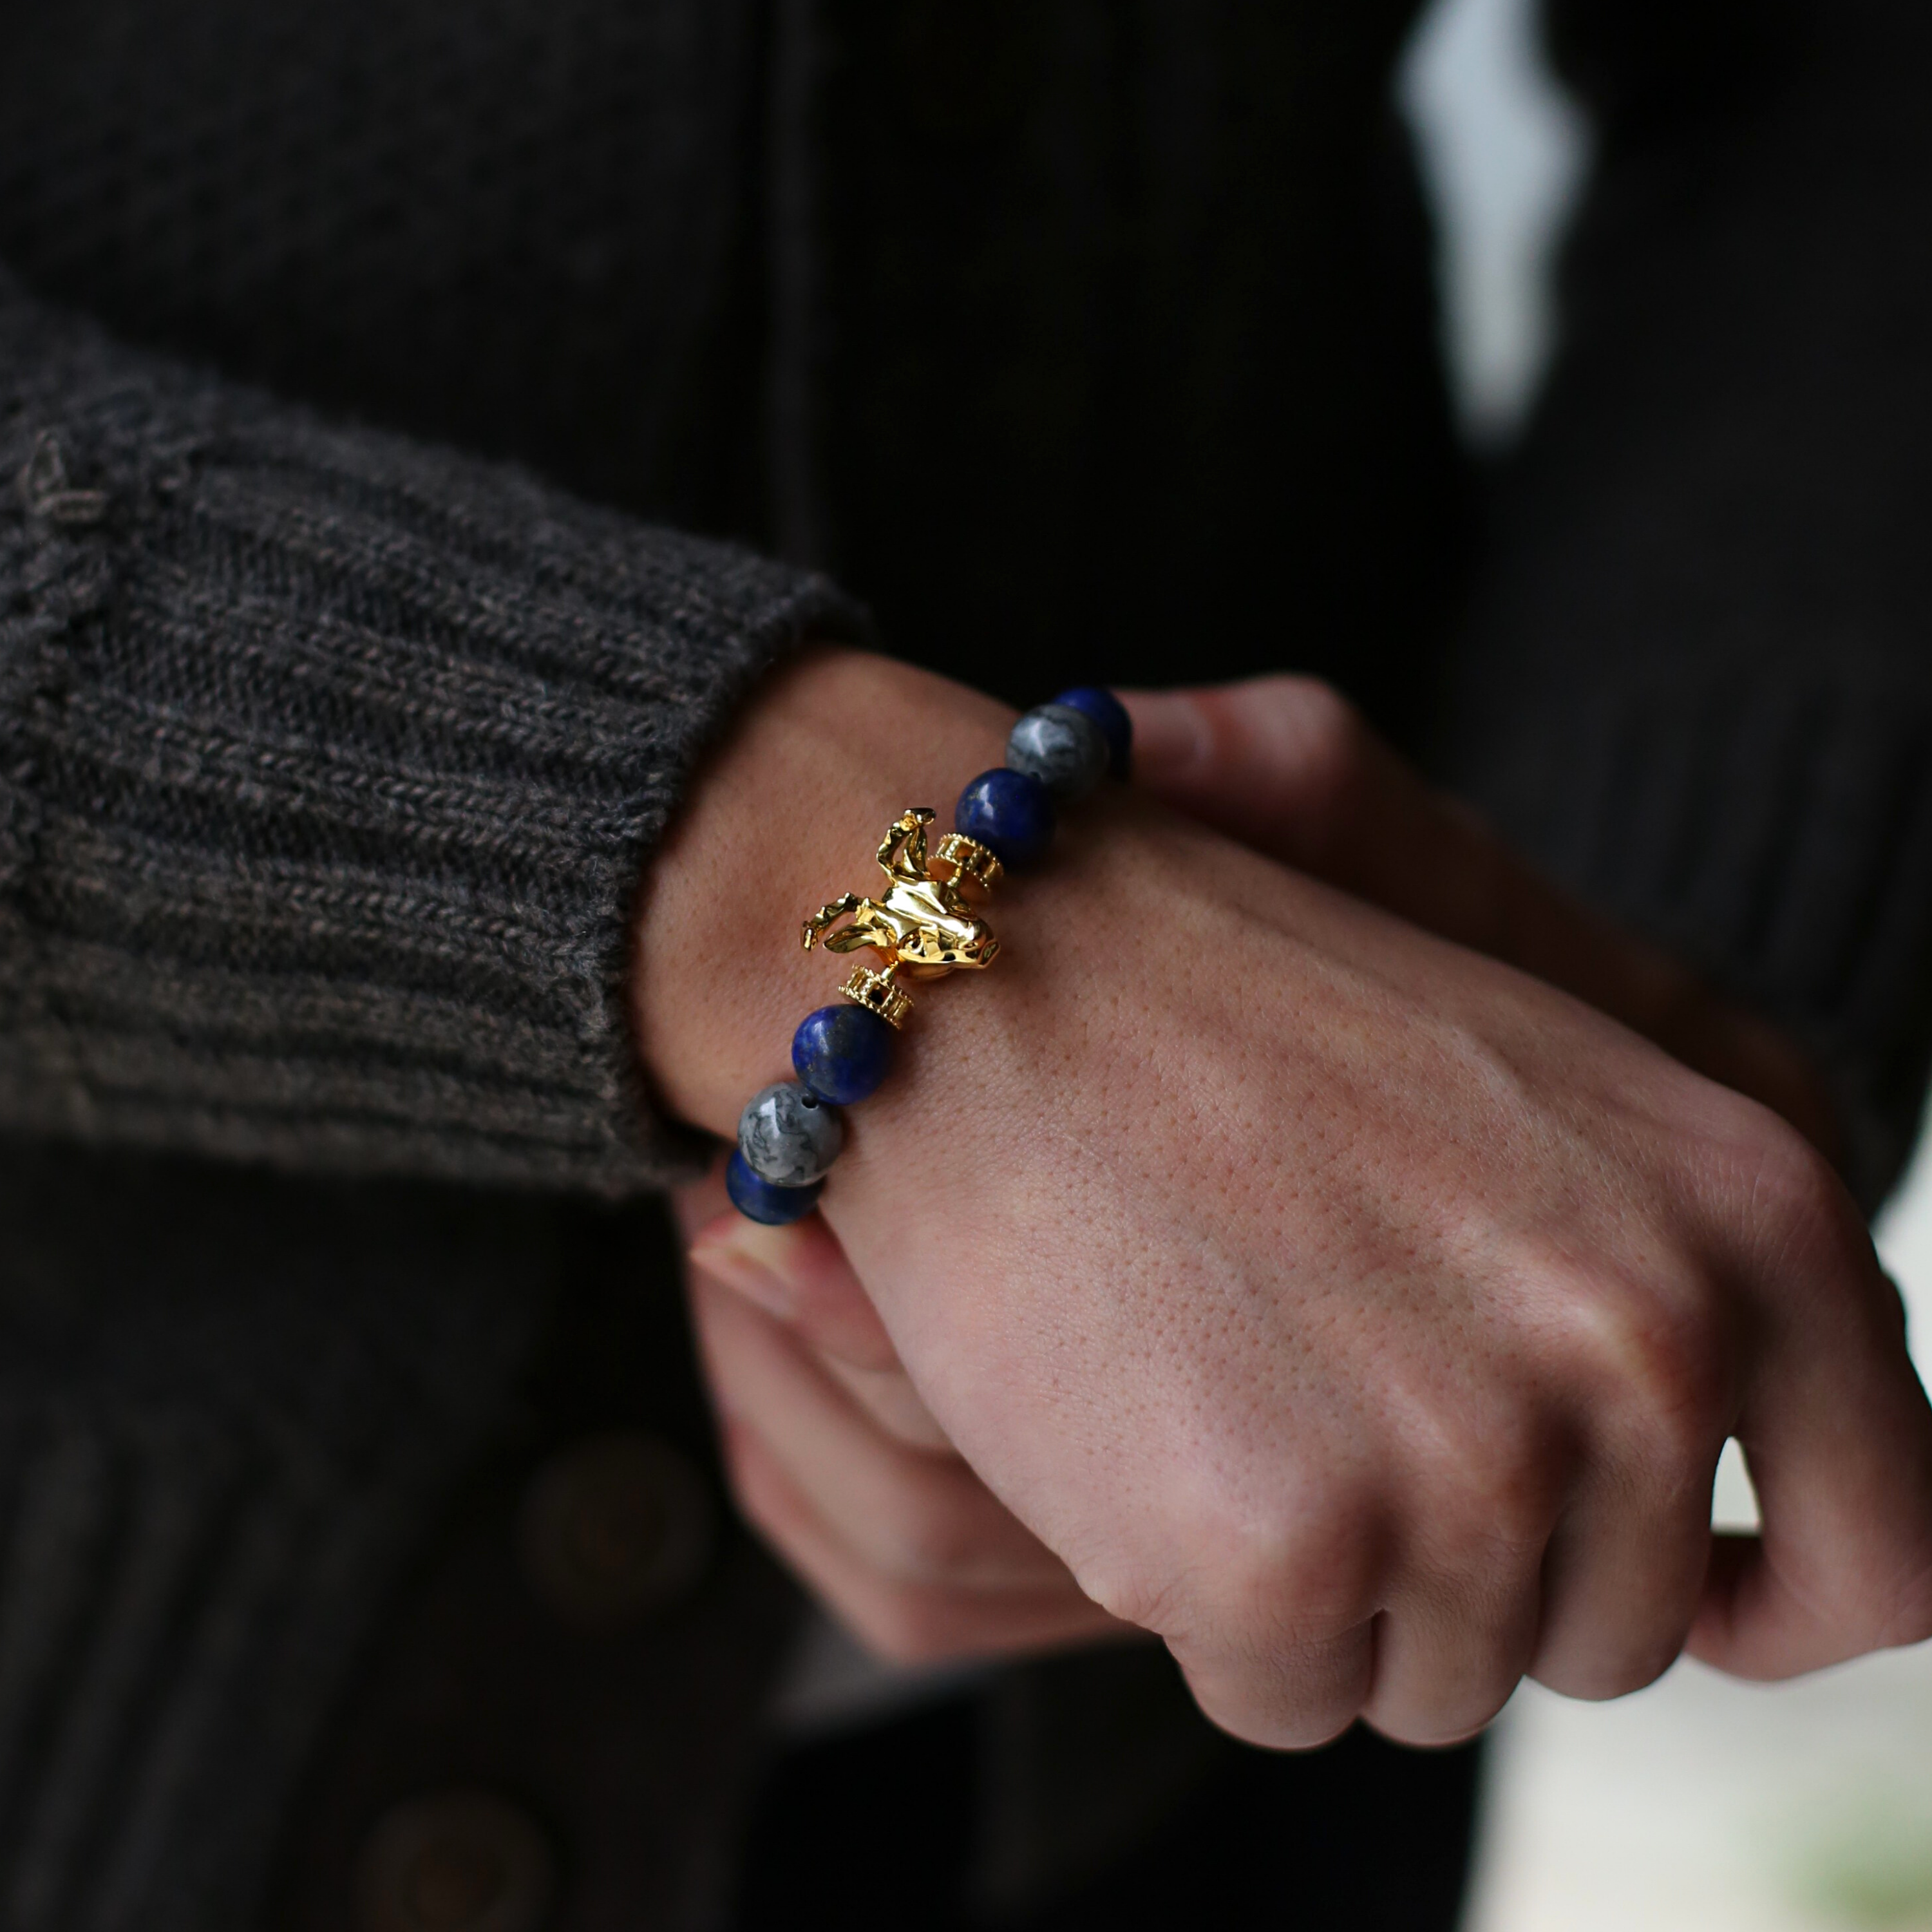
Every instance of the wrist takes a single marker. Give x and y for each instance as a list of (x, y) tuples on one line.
[(831, 747)]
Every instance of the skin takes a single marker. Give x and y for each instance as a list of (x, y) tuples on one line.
[(1241, 1261)]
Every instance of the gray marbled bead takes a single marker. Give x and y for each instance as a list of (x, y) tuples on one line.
[(1062, 747), (787, 1137)]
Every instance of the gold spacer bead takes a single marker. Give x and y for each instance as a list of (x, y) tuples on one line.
[(877, 994), (970, 859)]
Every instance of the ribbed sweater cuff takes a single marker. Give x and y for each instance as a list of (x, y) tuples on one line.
[(329, 766), (1773, 825)]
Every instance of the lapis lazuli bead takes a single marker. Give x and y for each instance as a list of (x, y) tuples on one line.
[(1111, 715), (1062, 747), (787, 1137), (842, 1054), (758, 1200), (1008, 811)]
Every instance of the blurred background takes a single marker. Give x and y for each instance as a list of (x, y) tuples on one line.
[(1702, 1805)]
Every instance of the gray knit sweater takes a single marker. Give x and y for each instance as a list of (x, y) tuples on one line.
[(360, 365), (332, 763)]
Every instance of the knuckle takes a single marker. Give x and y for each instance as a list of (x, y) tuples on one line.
[(1598, 1680), (1488, 1461), (1679, 1371), (1797, 1210), (1309, 1579), (1303, 1576), (1272, 1726), (1664, 1360), (1433, 1729), (1300, 1571), (1290, 1697), (1596, 1668), (1509, 1474)]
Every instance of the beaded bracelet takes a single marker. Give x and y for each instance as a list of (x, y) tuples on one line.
[(923, 927)]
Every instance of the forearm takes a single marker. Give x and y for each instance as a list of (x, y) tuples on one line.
[(328, 764)]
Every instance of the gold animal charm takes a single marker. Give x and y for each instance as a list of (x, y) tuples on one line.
[(922, 924)]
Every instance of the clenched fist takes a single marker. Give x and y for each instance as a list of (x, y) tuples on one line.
[(1360, 1313)]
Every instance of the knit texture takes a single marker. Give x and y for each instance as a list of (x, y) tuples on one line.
[(527, 228), (229, 1405), (1697, 680), (1091, 340), (330, 763)]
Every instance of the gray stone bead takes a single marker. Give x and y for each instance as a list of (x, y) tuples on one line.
[(787, 1137), (1062, 747)]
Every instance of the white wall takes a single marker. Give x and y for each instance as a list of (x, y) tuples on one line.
[(1503, 152)]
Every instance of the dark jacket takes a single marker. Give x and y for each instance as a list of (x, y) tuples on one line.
[(404, 404)]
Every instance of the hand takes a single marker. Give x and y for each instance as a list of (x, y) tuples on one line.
[(831, 1452), (1289, 769), (1361, 1315), (834, 1457)]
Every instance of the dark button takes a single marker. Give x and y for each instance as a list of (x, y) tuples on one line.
[(613, 1528), (454, 1861)]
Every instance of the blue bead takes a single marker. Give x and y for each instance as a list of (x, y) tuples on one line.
[(1111, 715), (758, 1200), (1008, 811), (842, 1054)]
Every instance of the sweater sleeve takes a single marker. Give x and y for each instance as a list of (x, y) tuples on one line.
[(1697, 679), (329, 764)]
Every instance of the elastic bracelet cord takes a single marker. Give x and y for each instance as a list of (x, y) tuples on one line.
[(923, 926)]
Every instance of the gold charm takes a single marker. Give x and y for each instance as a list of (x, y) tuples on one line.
[(876, 992), (922, 922)]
